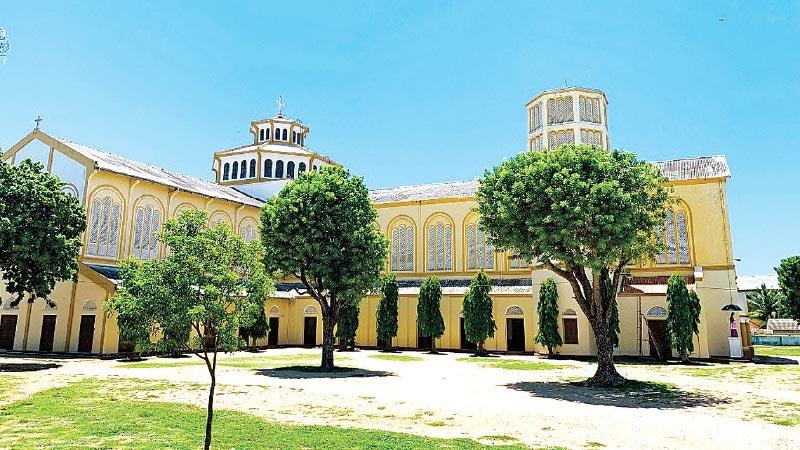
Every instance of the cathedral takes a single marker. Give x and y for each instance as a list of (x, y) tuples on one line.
[(432, 230)]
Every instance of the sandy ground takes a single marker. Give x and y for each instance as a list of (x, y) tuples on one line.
[(443, 397)]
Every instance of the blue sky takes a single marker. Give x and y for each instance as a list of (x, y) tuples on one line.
[(416, 92)]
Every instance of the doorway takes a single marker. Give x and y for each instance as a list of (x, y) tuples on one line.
[(515, 330), (659, 343), (86, 334), (272, 337), (48, 333), (465, 344), (310, 332), (8, 330)]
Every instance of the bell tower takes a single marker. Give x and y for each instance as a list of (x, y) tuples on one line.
[(571, 115)]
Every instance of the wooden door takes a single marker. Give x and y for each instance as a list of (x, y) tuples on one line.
[(310, 332), (8, 330), (465, 344), (86, 334), (659, 343), (272, 337), (515, 329), (48, 333)]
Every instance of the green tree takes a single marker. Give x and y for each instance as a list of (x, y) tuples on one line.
[(347, 326), (764, 303), (209, 285), (429, 312), (387, 311), (40, 230), (585, 214), (547, 307), (322, 229), (789, 279), (477, 311), (683, 316), (258, 330)]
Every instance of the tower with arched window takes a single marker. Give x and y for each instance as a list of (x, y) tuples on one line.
[(277, 155), (571, 115)]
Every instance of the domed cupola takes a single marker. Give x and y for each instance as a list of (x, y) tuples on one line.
[(279, 129)]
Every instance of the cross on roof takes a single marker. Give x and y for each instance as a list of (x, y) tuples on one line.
[(280, 104), (37, 120)]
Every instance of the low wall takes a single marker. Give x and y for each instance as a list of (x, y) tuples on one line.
[(776, 340)]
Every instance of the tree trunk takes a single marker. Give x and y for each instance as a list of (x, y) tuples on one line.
[(606, 374), (549, 352), (684, 356), (210, 411), (387, 345), (328, 342), (433, 345), (481, 349)]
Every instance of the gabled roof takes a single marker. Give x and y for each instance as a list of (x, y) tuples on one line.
[(704, 167), (119, 164)]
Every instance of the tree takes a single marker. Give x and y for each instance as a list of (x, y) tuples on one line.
[(547, 307), (789, 279), (347, 326), (683, 316), (322, 229), (40, 230), (429, 312), (764, 303), (387, 311), (210, 284), (258, 330), (477, 311), (585, 214)]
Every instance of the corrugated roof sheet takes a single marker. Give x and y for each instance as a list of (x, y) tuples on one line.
[(120, 164), (675, 170), (450, 286)]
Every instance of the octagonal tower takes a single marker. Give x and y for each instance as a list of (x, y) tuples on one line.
[(568, 115)]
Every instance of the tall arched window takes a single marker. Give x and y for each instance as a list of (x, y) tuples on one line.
[(285, 134), (277, 134), (249, 231), (290, 169), (243, 169), (301, 168), (261, 135), (401, 235), (480, 253), (279, 169), (104, 228), (439, 243), (294, 137), (145, 233), (252, 168), (674, 236), (268, 168), (235, 170), (266, 134), (226, 170)]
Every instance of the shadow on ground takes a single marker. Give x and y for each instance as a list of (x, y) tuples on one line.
[(774, 360), (303, 372), (27, 367), (639, 395)]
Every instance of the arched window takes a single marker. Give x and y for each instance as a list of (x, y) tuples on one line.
[(316, 168), (517, 262), (104, 228), (274, 310), (252, 168), (261, 135), (89, 305), (249, 231), (235, 171), (310, 309), (674, 238), (219, 217), (514, 310), (440, 243), (294, 137), (301, 168), (480, 253), (401, 235), (656, 311), (145, 232), (290, 169), (268, 168), (226, 170), (285, 134), (266, 134), (279, 169), (243, 172)]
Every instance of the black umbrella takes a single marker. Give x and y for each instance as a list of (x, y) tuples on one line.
[(731, 307)]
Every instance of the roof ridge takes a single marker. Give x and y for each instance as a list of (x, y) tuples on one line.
[(424, 184)]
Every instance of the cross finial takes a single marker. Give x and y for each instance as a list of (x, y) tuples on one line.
[(37, 120), (281, 104)]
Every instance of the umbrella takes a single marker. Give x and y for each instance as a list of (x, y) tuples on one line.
[(731, 307)]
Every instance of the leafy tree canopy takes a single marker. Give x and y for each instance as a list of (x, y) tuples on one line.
[(429, 312), (547, 308), (789, 279), (40, 228), (479, 323), (683, 316), (387, 310), (764, 304)]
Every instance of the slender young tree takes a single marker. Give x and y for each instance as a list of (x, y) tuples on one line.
[(40, 231), (322, 229), (209, 285), (479, 323), (789, 279), (347, 326), (387, 311), (585, 214), (429, 311), (258, 330), (547, 307), (683, 316)]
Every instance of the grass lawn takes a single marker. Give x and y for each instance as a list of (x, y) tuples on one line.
[(396, 357), (92, 414), (513, 364), (777, 350), (240, 362), (7, 383)]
